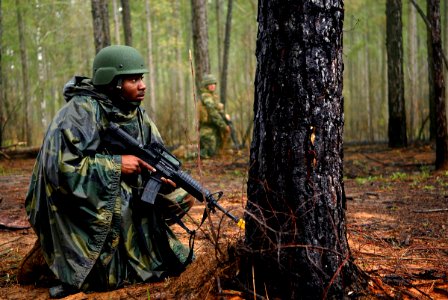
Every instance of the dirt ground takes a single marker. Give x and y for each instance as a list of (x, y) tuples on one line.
[(397, 212)]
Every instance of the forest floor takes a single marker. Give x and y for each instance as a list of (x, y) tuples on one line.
[(397, 212)]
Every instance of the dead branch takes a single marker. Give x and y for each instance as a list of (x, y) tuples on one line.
[(430, 210), (19, 152)]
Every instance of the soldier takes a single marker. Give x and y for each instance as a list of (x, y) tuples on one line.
[(213, 129), (83, 200)]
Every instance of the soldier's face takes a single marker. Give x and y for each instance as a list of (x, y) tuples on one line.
[(211, 87), (133, 88)]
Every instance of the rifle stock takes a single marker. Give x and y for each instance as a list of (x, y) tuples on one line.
[(168, 166)]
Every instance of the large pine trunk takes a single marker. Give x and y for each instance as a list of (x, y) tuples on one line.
[(296, 230)]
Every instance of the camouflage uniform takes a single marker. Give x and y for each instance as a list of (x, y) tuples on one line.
[(93, 230), (212, 127)]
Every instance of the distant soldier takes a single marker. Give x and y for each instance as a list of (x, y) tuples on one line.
[(213, 128)]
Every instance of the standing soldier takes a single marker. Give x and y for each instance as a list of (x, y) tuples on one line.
[(213, 128)]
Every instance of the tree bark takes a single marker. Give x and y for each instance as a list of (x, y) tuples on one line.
[(182, 100), (151, 75), (445, 38), (436, 83), (218, 32), (225, 60), (413, 71), (394, 44), (200, 39), (26, 129), (127, 22), (2, 91), (295, 220), (431, 79), (367, 86), (116, 22), (100, 17)]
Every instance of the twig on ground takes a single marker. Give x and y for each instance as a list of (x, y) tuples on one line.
[(430, 210)]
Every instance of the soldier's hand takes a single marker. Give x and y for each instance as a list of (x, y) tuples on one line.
[(168, 181), (131, 164)]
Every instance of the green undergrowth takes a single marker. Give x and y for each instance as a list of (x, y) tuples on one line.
[(423, 179)]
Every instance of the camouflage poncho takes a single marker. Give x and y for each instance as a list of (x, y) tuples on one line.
[(87, 216)]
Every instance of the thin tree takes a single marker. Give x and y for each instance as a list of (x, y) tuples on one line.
[(126, 9), (116, 22), (2, 92), (179, 76), (200, 38), (100, 17), (394, 44), (436, 83), (436, 60), (367, 80), (431, 74), (445, 36), (413, 69), (151, 75), (218, 31), (295, 220), (225, 60), (27, 128)]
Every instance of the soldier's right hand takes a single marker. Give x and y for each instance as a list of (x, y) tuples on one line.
[(131, 164)]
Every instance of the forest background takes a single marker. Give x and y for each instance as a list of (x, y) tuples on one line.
[(43, 43), (46, 42)]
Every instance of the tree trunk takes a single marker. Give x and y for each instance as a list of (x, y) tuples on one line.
[(437, 84), (182, 102), (26, 133), (295, 220), (445, 38), (2, 90), (431, 79), (151, 75), (100, 16), (384, 90), (225, 60), (40, 91), (200, 39), (218, 32), (394, 43), (412, 40), (116, 22), (367, 86), (127, 22)]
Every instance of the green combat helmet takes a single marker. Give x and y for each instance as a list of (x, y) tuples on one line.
[(116, 60), (208, 79)]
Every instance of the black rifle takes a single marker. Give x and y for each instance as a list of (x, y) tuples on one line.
[(169, 167), (232, 131)]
